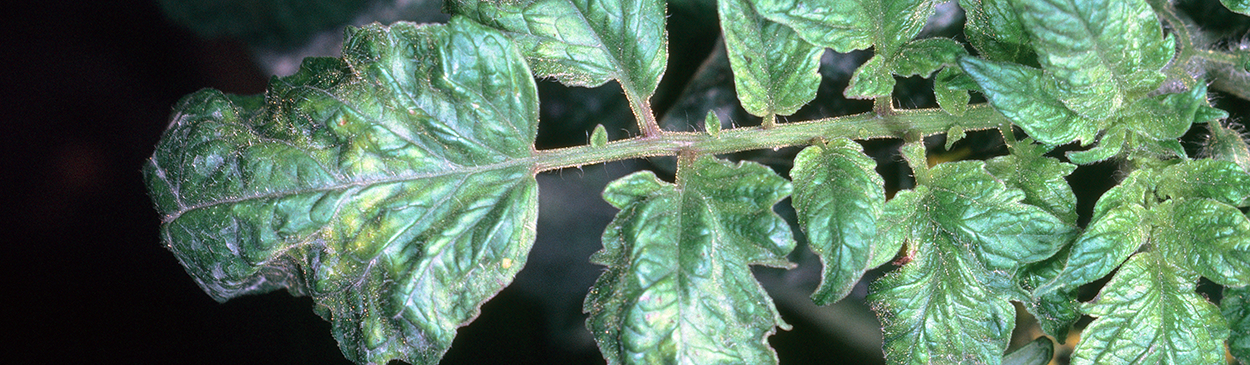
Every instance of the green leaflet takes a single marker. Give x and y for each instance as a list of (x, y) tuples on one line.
[(1225, 143), (582, 42), (1104, 54), (775, 71), (1151, 298), (951, 303), (1149, 314), (994, 29), (1042, 180), (1236, 309), (1022, 94), (1114, 233), (1222, 181), (1027, 96), (390, 185), (678, 288), (838, 197), (1038, 352), (887, 26), (1238, 6), (850, 25)]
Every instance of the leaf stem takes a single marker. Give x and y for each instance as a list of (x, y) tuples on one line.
[(647, 124), (868, 125)]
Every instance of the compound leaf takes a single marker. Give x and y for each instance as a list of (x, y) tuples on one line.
[(951, 303), (583, 42), (838, 197), (389, 185), (1104, 54), (678, 288), (775, 71)]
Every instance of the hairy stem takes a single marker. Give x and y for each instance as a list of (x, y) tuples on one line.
[(897, 124)]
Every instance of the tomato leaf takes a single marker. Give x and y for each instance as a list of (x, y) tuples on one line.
[(838, 197), (775, 71), (1104, 54), (678, 288), (581, 42), (391, 185), (951, 304)]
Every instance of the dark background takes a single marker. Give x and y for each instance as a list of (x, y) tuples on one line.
[(87, 90)]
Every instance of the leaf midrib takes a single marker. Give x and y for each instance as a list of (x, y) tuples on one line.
[(345, 185)]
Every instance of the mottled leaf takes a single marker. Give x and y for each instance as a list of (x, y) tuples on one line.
[(583, 42), (1041, 178), (1214, 236), (950, 304), (1104, 54), (838, 197), (1221, 181), (994, 29), (1149, 314), (886, 26), (1227, 144), (775, 71), (1116, 230), (678, 288), (1023, 95), (390, 185)]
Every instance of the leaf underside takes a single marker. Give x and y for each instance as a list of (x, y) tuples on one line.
[(389, 185)]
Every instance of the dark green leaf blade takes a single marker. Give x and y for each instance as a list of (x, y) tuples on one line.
[(775, 71), (838, 197), (850, 25), (938, 309), (582, 42), (1041, 178), (1222, 181), (1103, 53), (1236, 309), (1149, 314), (950, 304), (1238, 6), (994, 29), (390, 185), (980, 210), (1214, 236), (1117, 229), (678, 288), (1038, 352), (1022, 94)]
